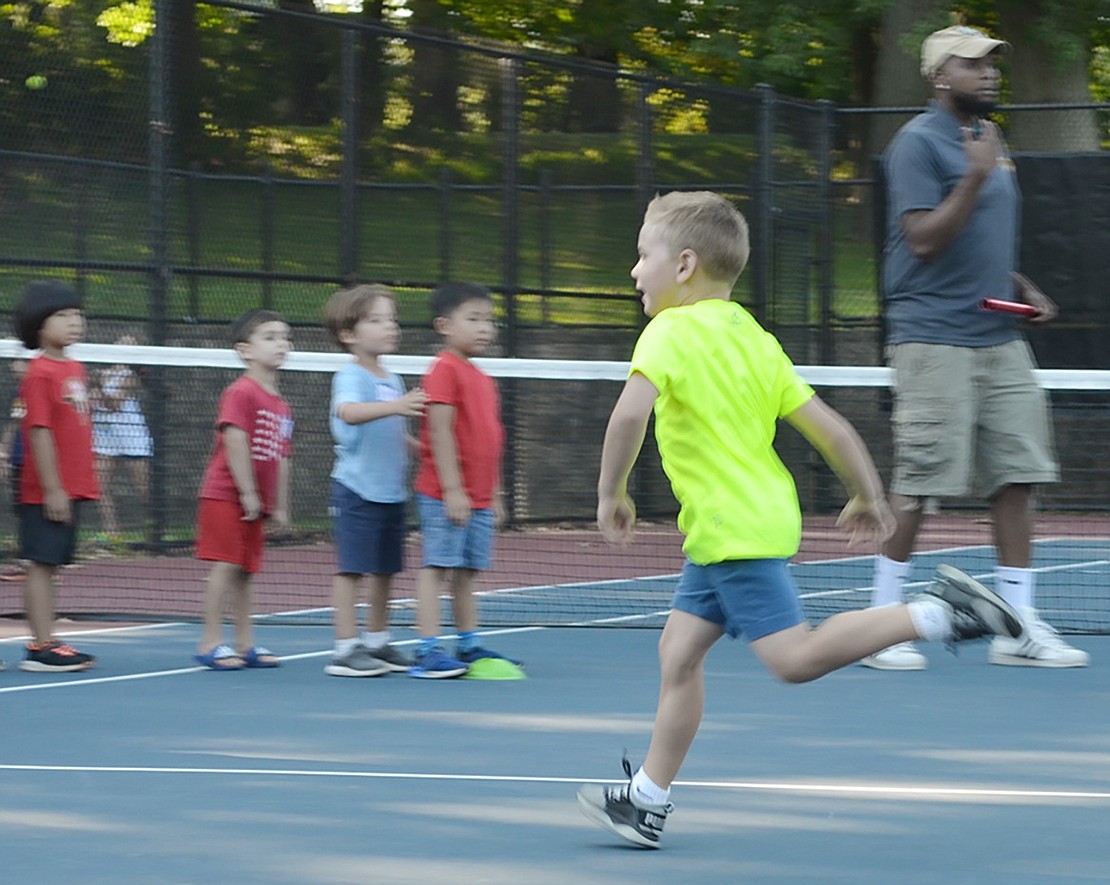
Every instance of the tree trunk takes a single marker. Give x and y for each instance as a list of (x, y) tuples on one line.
[(1037, 75)]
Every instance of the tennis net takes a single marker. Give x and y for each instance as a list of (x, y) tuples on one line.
[(550, 564)]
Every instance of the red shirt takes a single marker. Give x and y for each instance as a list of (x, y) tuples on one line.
[(57, 398), (268, 422), (479, 436)]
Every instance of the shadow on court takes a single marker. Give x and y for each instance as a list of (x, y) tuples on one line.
[(146, 770)]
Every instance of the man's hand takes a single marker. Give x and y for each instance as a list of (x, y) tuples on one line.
[(1026, 290), (983, 147)]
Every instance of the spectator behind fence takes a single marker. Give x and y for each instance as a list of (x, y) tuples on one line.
[(11, 459), (969, 417), (246, 482), (120, 435)]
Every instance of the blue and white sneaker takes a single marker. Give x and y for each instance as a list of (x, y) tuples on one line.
[(437, 664), (470, 655)]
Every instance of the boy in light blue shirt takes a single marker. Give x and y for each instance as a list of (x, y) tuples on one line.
[(368, 417)]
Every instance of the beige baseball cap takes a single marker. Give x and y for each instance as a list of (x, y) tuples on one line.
[(960, 41)]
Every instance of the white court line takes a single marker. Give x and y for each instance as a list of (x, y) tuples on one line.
[(832, 789)]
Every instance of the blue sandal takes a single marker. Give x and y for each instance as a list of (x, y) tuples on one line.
[(258, 657), (221, 657)]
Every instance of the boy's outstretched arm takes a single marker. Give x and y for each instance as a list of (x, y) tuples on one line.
[(624, 437), (867, 515)]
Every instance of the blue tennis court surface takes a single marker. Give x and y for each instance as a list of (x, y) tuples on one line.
[(148, 770)]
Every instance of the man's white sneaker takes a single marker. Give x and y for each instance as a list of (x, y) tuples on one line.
[(1039, 646), (902, 656)]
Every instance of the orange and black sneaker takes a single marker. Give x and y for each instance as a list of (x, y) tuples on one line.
[(54, 657)]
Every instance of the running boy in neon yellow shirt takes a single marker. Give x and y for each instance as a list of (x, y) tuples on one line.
[(718, 383)]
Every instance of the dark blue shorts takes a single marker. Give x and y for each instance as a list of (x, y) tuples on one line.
[(752, 597), (44, 541), (369, 537)]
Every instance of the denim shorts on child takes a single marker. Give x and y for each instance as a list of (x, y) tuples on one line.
[(44, 541), (447, 545), (224, 536), (369, 537), (749, 597)]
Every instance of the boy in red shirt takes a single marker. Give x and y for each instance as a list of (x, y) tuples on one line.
[(458, 485), (58, 472), (246, 482)]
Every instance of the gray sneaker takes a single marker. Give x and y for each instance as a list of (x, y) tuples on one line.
[(359, 661), (397, 661), (976, 611), (615, 809)]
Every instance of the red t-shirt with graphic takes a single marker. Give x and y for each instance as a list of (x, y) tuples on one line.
[(268, 422), (56, 397), (479, 436)]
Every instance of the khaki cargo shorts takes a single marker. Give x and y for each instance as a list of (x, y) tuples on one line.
[(968, 420)]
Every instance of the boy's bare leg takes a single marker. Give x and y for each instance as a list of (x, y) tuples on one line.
[(802, 653), (38, 600), (344, 597), (242, 606), (377, 620), (221, 581), (464, 605), (683, 646), (428, 584)]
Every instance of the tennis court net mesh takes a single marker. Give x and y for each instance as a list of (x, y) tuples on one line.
[(550, 564)]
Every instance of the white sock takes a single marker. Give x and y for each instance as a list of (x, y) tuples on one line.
[(890, 575), (646, 791), (932, 619), (342, 646), (1015, 585), (375, 640)]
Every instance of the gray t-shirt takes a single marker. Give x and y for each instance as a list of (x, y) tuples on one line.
[(937, 302)]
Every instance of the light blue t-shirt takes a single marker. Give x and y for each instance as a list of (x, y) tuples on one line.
[(371, 459), (937, 301)]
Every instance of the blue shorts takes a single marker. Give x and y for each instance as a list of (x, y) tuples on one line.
[(369, 537), (753, 597), (447, 545)]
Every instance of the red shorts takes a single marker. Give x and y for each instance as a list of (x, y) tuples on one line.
[(224, 536)]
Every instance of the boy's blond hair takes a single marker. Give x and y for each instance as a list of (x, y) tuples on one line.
[(347, 306), (706, 224)]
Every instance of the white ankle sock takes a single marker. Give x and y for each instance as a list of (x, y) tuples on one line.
[(375, 640), (342, 646), (931, 618), (890, 575), (646, 791), (1015, 585)]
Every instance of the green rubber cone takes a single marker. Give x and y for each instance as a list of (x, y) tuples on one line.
[(494, 669)]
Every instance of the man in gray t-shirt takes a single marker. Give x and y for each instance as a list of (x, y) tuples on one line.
[(969, 417)]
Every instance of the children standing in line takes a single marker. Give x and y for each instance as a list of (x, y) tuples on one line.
[(369, 492), (718, 383), (58, 473), (246, 482), (11, 459), (458, 484)]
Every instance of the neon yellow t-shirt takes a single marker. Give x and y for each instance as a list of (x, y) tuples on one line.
[(723, 382)]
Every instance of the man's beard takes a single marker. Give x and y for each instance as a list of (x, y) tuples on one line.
[(972, 106)]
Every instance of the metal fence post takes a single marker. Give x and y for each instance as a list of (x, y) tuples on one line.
[(192, 235), (159, 138), (444, 224), (348, 186), (645, 165), (826, 283), (267, 236), (546, 180), (763, 188), (510, 75)]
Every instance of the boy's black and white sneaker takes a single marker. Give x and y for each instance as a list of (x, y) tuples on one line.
[(54, 656), (615, 809), (976, 611)]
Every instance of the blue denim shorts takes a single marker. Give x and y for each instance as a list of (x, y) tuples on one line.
[(749, 597), (369, 537), (447, 545)]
